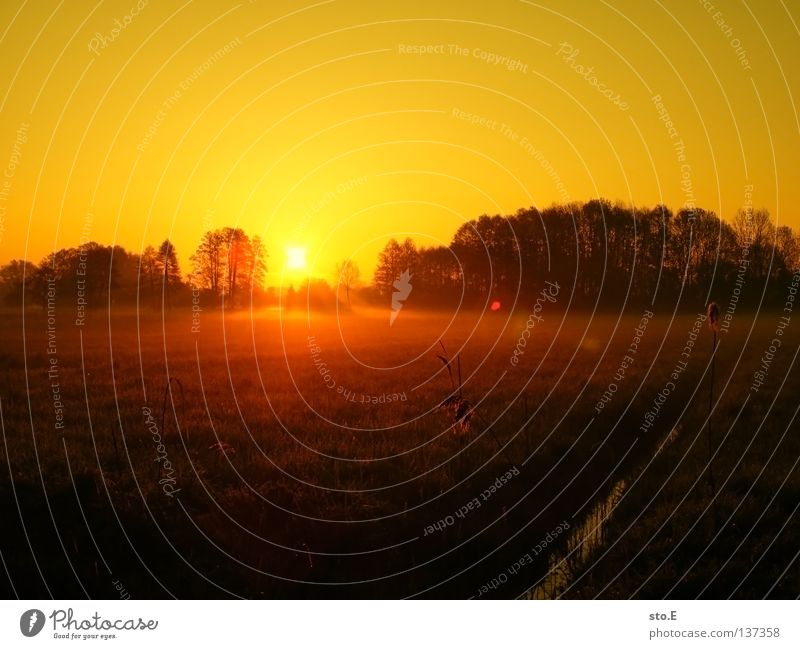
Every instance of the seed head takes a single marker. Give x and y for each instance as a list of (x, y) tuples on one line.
[(712, 313)]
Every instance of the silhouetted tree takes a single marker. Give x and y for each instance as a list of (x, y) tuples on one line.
[(755, 232), (169, 270), (256, 265), (208, 261), (13, 277), (237, 246), (787, 251), (149, 272), (438, 278), (346, 275), (394, 259), (228, 262)]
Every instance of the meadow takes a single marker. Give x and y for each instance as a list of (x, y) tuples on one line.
[(293, 454)]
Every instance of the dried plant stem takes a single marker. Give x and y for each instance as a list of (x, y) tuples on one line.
[(709, 441)]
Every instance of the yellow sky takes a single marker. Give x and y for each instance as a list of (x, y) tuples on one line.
[(317, 125)]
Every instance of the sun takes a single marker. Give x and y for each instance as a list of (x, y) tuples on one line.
[(295, 258)]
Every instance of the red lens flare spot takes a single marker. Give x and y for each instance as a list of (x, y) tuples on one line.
[(495, 305)]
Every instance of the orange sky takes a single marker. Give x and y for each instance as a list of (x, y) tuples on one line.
[(319, 125)]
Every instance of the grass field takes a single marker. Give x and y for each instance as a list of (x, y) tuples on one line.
[(305, 456)]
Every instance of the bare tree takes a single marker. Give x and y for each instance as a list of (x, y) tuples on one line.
[(167, 261), (149, 272), (347, 275), (228, 262), (393, 260), (256, 265), (237, 248), (787, 247), (208, 261), (13, 277), (754, 230)]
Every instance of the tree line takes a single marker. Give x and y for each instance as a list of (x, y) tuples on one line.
[(602, 253), (607, 254), (228, 265)]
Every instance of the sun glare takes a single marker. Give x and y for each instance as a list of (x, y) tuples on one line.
[(295, 258)]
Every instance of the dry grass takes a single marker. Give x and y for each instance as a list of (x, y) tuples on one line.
[(289, 487)]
